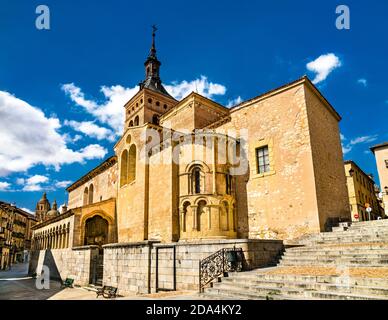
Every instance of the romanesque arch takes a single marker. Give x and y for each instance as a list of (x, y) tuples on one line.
[(91, 194), (124, 168), (96, 231), (86, 196), (132, 163)]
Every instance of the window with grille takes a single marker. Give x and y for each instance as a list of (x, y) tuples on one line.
[(262, 159)]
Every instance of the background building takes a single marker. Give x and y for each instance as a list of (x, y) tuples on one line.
[(361, 190), (381, 154), (15, 234)]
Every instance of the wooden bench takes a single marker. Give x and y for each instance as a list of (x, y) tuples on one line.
[(68, 283), (107, 292)]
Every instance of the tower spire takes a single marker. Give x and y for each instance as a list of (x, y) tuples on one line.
[(152, 65), (153, 47)]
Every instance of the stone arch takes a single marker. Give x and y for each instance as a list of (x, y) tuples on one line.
[(108, 237), (86, 196), (91, 193), (96, 231), (184, 214), (130, 123), (199, 224), (132, 163), (202, 164), (137, 121), (124, 168)]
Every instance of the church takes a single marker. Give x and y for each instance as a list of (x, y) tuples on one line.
[(195, 176)]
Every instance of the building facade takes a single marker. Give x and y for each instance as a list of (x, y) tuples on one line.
[(185, 172), (15, 234), (361, 190), (381, 154)]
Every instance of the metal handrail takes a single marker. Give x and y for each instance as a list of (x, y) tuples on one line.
[(217, 264)]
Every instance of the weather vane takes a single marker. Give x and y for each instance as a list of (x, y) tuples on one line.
[(154, 29)]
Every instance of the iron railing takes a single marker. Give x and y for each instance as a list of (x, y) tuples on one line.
[(224, 260)]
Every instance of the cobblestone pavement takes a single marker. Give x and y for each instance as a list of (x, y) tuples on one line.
[(84, 294), (16, 285)]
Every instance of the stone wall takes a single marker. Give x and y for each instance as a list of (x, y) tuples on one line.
[(280, 203), (104, 187), (127, 266), (132, 267), (65, 263), (329, 173)]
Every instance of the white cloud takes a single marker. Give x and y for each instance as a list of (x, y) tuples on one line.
[(363, 82), (28, 210), (33, 183), (179, 90), (4, 186), (323, 66), (363, 139), (29, 138), (111, 111), (63, 184), (347, 147), (234, 102), (92, 130)]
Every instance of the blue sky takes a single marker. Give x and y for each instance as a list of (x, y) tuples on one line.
[(51, 80)]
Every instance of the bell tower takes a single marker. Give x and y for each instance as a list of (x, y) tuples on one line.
[(42, 207), (152, 100)]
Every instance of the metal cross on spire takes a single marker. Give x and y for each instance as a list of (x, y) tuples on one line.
[(153, 49)]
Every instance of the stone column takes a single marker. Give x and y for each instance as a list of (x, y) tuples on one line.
[(67, 237), (183, 219), (195, 217), (214, 164), (209, 212)]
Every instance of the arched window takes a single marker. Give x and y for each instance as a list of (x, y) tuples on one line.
[(131, 123), (155, 119), (124, 168), (184, 216), (91, 191), (132, 164), (86, 196), (196, 179), (200, 211), (136, 121)]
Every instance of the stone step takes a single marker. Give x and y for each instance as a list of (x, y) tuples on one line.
[(236, 294), (356, 281), (351, 239), (332, 263), (367, 253), (342, 256), (276, 294), (342, 247), (304, 286), (367, 224)]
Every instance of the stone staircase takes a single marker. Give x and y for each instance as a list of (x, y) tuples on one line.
[(347, 264)]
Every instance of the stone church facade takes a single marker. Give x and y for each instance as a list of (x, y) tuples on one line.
[(193, 172)]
